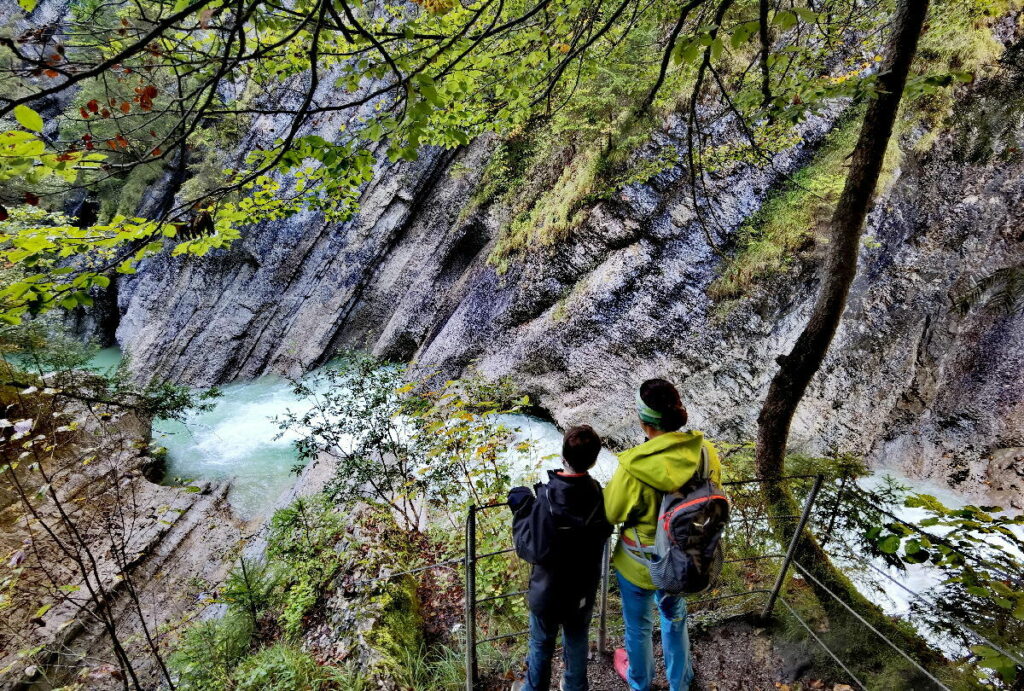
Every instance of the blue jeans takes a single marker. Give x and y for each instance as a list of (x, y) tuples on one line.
[(575, 645), (675, 641)]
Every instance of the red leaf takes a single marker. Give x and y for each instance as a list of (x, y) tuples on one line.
[(105, 113), (51, 73), (126, 107), (89, 146), (150, 91), (156, 151), (84, 112), (31, 199), (93, 106), (152, 133), (86, 137)]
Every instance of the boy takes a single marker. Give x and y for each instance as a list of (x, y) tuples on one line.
[(562, 532)]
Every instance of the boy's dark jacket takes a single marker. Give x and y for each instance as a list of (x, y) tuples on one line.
[(562, 533)]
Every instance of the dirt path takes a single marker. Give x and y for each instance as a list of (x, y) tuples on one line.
[(735, 656)]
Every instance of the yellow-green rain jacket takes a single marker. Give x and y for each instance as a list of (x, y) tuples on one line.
[(633, 496)]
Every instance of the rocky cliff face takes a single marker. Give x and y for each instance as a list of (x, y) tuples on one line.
[(918, 379)]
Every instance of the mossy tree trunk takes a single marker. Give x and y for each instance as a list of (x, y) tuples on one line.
[(798, 367)]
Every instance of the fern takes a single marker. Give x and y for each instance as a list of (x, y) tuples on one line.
[(1002, 290)]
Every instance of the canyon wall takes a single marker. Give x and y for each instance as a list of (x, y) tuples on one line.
[(925, 375)]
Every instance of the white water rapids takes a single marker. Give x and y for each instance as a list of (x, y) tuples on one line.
[(239, 441)]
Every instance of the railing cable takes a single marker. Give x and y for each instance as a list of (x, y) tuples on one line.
[(448, 562), (1016, 658), (821, 643), (866, 623)]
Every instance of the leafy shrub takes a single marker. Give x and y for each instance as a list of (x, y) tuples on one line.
[(298, 601), (280, 667), (303, 529), (209, 651), (301, 543), (411, 446)]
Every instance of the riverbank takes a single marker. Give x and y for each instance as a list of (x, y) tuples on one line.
[(100, 550)]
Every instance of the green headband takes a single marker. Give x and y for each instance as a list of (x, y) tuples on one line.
[(646, 412)]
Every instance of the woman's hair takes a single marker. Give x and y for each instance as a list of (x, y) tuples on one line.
[(663, 398)]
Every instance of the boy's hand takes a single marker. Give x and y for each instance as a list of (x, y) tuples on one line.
[(518, 496)]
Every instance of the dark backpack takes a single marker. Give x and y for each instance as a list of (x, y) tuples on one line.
[(687, 554)]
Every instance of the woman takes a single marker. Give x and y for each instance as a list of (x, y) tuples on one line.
[(663, 463)]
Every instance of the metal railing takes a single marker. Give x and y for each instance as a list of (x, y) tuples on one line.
[(776, 594)]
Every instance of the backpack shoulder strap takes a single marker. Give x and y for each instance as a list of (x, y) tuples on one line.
[(704, 469), (637, 551)]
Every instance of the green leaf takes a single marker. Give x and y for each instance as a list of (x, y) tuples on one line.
[(28, 118), (28, 5), (716, 48), (918, 557), (685, 51), (426, 87), (374, 132), (889, 544), (742, 33), (784, 20), (996, 661), (806, 14), (41, 611)]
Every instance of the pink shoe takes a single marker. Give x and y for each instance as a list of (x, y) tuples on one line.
[(621, 664)]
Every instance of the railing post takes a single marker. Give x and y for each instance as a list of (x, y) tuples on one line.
[(791, 552), (602, 620), (472, 673)]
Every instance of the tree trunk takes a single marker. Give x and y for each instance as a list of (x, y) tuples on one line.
[(798, 367)]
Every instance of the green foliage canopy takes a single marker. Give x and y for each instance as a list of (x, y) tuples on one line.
[(274, 108)]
